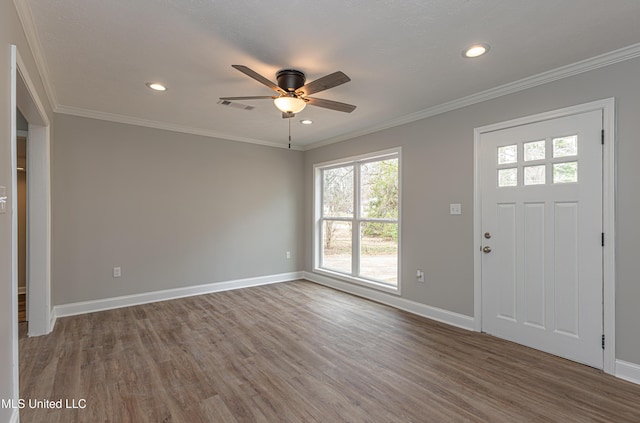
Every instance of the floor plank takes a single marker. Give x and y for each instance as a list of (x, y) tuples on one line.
[(299, 352)]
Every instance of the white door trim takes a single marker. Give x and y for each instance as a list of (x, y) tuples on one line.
[(13, 195), (608, 202), (39, 199)]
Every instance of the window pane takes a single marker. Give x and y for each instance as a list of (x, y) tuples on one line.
[(565, 146), (534, 151), (379, 189), (337, 192), (508, 177), (379, 251), (336, 245), (565, 172), (508, 154), (534, 175)]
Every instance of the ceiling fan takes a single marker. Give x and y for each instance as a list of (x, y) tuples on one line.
[(292, 93)]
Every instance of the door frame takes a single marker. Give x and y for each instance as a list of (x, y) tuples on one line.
[(607, 106), (25, 97)]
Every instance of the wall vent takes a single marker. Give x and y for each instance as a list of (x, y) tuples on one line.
[(235, 105)]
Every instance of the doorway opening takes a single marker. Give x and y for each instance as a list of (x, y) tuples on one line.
[(21, 183)]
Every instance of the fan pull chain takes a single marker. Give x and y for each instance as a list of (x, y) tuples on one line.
[(289, 133)]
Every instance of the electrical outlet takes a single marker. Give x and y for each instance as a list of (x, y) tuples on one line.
[(420, 275), (455, 209), (117, 272), (288, 254)]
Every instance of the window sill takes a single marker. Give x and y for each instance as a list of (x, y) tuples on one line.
[(379, 286)]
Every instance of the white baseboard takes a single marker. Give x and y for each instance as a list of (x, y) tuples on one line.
[(628, 371), (52, 319), (33, 329), (433, 313), (83, 307)]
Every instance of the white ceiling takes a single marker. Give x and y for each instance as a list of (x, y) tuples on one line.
[(403, 56)]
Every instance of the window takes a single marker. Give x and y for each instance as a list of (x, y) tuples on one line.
[(357, 205)]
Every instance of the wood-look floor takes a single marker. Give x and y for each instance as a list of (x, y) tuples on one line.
[(299, 352)]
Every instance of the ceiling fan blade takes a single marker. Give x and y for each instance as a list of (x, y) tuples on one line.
[(329, 104), (255, 97), (287, 115), (255, 75), (324, 83)]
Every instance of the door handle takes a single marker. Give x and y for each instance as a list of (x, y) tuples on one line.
[(486, 249)]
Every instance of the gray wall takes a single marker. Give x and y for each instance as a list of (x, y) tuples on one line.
[(172, 210), (438, 170)]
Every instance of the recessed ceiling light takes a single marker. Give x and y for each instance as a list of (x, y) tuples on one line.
[(306, 121), (476, 50), (156, 86)]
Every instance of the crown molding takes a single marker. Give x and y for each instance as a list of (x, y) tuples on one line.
[(43, 118), (33, 40), (606, 59), (112, 117)]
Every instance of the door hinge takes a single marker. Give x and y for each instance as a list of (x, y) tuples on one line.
[(602, 137), (603, 341), (602, 239)]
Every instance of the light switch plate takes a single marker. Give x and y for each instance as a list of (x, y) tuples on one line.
[(455, 209), (3, 199)]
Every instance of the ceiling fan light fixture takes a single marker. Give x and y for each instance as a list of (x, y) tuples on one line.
[(292, 92), (290, 104), (475, 50)]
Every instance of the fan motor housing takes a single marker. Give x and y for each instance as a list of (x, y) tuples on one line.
[(290, 79)]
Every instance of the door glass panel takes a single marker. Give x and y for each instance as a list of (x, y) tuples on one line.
[(565, 172), (534, 151), (336, 245), (565, 146), (508, 154), (508, 177), (534, 175)]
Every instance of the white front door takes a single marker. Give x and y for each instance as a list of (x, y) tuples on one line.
[(541, 205)]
